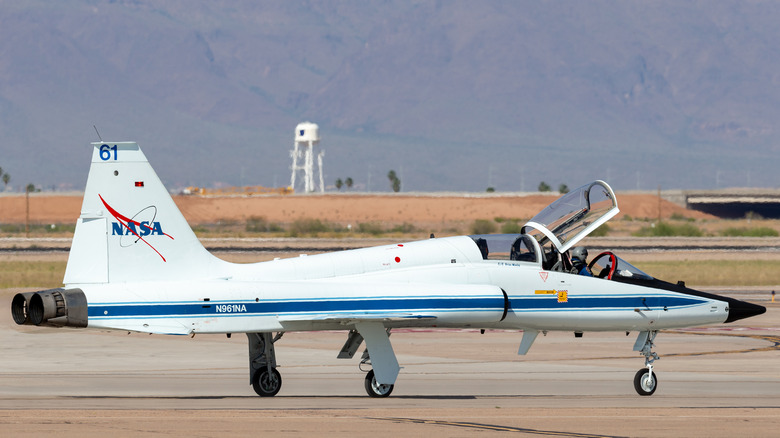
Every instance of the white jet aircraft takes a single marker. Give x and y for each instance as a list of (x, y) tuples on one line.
[(136, 265)]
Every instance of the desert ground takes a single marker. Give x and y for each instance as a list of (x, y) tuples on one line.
[(714, 381)]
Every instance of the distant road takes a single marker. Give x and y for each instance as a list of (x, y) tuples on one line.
[(734, 203)]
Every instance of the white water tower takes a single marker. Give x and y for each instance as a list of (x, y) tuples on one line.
[(307, 136)]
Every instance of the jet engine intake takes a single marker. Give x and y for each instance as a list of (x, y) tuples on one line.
[(52, 307)]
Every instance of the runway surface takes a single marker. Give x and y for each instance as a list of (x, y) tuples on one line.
[(716, 381)]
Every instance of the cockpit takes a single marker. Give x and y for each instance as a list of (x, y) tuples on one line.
[(548, 237), (515, 247)]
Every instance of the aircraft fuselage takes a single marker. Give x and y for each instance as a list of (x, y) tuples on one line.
[(443, 279)]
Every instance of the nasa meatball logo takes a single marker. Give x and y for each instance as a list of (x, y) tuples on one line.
[(138, 228)]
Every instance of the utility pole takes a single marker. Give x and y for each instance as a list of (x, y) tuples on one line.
[(27, 215)]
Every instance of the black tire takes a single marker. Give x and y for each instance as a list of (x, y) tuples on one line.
[(376, 390), (266, 385), (641, 385)]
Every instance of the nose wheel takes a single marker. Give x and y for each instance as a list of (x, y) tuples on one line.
[(645, 382)]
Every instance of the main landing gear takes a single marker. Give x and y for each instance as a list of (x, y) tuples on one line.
[(373, 388), (645, 381), (263, 376), (267, 381)]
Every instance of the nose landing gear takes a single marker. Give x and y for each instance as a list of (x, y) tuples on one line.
[(645, 381)]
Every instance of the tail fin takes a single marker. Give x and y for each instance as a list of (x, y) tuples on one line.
[(129, 228)]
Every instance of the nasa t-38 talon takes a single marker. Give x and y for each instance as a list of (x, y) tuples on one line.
[(136, 265)]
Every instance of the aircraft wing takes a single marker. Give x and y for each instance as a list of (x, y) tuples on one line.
[(155, 326), (352, 318), (350, 303)]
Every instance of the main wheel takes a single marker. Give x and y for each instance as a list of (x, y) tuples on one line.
[(644, 382), (265, 384), (375, 389)]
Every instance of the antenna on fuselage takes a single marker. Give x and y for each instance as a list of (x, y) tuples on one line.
[(98, 133)]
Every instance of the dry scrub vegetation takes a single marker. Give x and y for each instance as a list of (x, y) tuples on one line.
[(30, 273), (715, 272)]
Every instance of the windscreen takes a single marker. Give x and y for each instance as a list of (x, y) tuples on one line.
[(602, 264), (625, 269)]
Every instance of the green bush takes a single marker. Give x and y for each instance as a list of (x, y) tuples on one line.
[(511, 228), (501, 219), (199, 229), (404, 228), (308, 226), (600, 231), (372, 228), (749, 232), (665, 229), (483, 226), (679, 217), (258, 224)]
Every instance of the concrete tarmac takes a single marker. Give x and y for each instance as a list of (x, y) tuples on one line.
[(715, 381)]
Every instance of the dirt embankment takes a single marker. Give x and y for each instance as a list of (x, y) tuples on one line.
[(344, 209)]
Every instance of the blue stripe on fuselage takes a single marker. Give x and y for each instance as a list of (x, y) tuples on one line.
[(313, 307), (204, 308), (546, 302)]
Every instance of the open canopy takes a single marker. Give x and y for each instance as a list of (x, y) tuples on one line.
[(572, 217)]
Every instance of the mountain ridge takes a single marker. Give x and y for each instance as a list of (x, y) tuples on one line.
[(452, 95)]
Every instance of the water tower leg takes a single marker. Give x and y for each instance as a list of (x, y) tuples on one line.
[(294, 165), (309, 171), (319, 165)]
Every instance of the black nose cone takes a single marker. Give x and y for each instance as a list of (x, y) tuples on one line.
[(737, 309), (742, 309)]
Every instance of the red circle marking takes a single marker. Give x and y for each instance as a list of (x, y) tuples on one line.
[(398, 259), (400, 244)]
